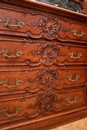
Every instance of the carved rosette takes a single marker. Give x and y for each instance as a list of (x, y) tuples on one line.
[(48, 53), (50, 27), (46, 102), (45, 79)]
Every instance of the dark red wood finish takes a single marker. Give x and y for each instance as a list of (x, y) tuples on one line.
[(43, 65)]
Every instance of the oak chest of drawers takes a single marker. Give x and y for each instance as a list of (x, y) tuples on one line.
[(43, 65)]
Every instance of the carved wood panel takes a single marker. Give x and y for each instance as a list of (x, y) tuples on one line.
[(36, 25), (38, 106), (35, 52), (41, 79), (43, 59)]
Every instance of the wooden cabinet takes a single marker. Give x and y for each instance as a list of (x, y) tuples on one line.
[(43, 65)]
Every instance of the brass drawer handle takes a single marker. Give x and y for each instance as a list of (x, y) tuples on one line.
[(74, 32), (6, 112), (5, 53), (69, 77), (6, 23), (68, 100), (71, 54), (5, 82)]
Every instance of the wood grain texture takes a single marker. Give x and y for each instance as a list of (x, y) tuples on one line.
[(43, 66)]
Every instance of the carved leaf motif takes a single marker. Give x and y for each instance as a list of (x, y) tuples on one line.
[(46, 79), (48, 53), (50, 27), (46, 102)]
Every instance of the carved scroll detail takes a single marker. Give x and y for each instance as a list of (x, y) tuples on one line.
[(45, 79), (50, 28), (48, 53), (46, 103)]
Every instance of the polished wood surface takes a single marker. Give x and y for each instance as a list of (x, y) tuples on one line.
[(43, 65)]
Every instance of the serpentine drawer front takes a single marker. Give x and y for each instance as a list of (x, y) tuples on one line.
[(37, 105), (36, 52), (38, 25), (41, 79), (43, 65)]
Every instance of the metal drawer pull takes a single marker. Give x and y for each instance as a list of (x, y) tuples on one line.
[(6, 111), (5, 53), (5, 82), (69, 77), (74, 32), (71, 54), (6, 23), (68, 100)]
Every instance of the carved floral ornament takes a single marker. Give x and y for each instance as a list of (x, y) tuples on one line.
[(45, 79), (46, 103), (48, 79), (49, 102), (48, 53), (51, 27)]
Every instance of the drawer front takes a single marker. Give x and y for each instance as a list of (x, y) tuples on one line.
[(75, 31), (37, 24), (35, 80), (41, 52), (40, 105)]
